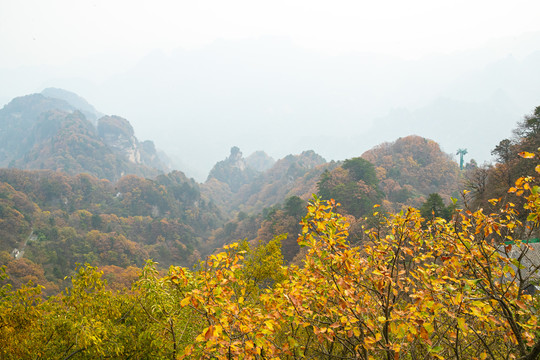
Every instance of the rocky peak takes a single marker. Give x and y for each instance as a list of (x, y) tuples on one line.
[(236, 159), (233, 170)]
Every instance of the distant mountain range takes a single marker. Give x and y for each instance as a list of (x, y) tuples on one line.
[(271, 94)]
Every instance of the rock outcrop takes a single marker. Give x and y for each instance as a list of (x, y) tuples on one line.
[(233, 170)]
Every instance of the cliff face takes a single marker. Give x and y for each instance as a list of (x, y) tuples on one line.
[(150, 156), (117, 133)]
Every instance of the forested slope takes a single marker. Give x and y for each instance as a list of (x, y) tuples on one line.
[(82, 219)]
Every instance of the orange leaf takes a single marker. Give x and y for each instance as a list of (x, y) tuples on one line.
[(209, 332), (423, 333)]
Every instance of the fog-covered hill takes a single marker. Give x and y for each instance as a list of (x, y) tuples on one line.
[(44, 132)]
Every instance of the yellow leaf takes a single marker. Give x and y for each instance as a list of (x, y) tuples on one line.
[(185, 301), (377, 272), (218, 330), (526, 155), (188, 350)]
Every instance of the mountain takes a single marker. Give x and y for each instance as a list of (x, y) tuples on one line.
[(408, 170), (292, 175), (395, 175), (234, 186), (42, 132), (411, 168)]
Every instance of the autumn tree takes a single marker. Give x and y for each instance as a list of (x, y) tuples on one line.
[(448, 290)]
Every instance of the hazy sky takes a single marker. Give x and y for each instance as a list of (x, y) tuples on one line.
[(54, 32), (198, 77)]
